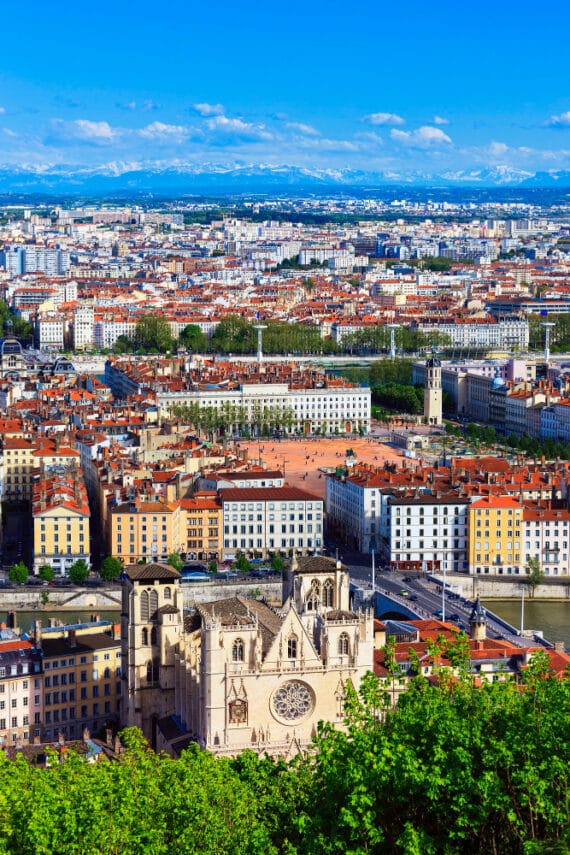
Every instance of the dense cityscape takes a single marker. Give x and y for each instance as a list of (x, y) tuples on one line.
[(266, 446), (284, 429)]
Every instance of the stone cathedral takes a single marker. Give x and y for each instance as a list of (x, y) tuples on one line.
[(237, 674)]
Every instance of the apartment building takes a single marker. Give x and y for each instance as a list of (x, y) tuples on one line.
[(309, 403), (271, 519), (201, 522), (18, 464), (546, 535), (150, 530), (60, 513), (428, 533), (495, 536), (21, 702), (82, 683)]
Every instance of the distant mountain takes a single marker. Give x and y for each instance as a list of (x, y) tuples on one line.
[(253, 178)]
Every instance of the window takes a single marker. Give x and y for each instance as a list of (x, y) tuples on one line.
[(145, 611), (167, 594), (313, 597), (153, 601), (343, 644), (328, 593), (292, 647), (144, 637), (237, 650)]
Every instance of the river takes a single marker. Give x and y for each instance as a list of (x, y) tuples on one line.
[(553, 618)]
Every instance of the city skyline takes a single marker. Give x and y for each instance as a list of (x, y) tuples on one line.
[(433, 93)]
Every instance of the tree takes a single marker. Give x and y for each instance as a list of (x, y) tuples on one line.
[(79, 571), (175, 561), (18, 573), (242, 563), (46, 572), (277, 562), (193, 338), (153, 334), (535, 573), (111, 568), (213, 566)]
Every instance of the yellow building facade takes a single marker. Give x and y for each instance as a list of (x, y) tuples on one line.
[(60, 511), (201, 526), (495, 536), (148, 530)]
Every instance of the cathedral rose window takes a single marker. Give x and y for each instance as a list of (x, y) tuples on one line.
[(293, 700)]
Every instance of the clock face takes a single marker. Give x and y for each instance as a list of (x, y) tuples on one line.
[(292, 701)]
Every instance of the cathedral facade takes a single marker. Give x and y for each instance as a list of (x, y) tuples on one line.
[(237, 674)]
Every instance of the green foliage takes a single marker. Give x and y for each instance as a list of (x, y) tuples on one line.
[(242, 564), (111, 568), (235, 334), (153, 334), (403, 399), (18, 573), (453, 768), (376, 339), (213, 566), (193, 339), (277, 562), (391, 371), (46, 572), (79, 571), (231, 418), (535, 573), (175, 561)]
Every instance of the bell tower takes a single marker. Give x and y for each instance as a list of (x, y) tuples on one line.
[(432, 391)]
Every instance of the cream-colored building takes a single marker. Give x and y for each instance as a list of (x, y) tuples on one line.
[(238, 674)]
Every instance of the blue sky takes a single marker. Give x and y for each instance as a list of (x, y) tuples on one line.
[(369, 85)]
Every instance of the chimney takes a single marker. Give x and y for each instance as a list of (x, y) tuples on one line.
[(86, 734), (109, 737), (559, 646), (38, 632), (36, 740), (72, 638), (61, 738), (117, 747)]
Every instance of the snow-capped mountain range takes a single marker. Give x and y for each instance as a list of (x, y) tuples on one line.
[(188, 178)]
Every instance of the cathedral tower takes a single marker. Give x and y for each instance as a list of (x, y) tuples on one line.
[(432, 391)]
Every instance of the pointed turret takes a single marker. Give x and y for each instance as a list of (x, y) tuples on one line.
[(478, 622)]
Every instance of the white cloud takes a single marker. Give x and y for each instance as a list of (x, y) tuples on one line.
[(161, 132), (205, 109), (302, 128), (129, 105), (238, 128), (384, 119), (498, 149), (424, 137), (439, 120), (94, 130), (560, 121)]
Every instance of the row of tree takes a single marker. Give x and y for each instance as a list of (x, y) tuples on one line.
[(235, 334), (453, 768), (110, 569), (262, 420), (524, 444)]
